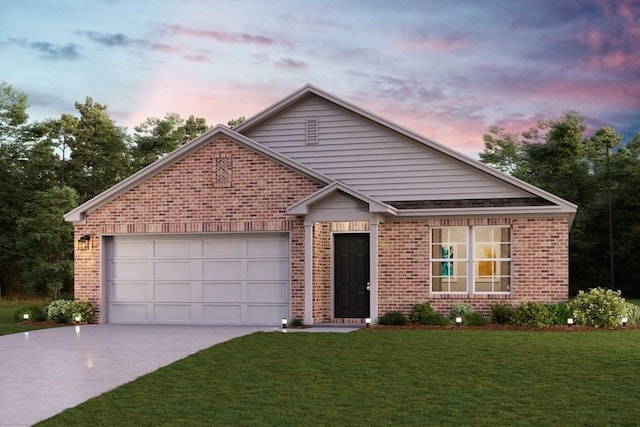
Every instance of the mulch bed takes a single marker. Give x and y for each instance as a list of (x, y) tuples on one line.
[(495, 327)]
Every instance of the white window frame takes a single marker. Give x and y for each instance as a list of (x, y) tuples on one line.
[(472, 261)]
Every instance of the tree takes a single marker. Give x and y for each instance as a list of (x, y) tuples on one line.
[(156, 137), (46, 241), (233, 123), (98, 151)]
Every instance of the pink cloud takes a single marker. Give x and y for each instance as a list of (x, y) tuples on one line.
[(220, 36), (433, 45), (291, 64)]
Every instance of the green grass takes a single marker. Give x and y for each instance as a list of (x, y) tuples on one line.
[(385, 378), (7, 311)]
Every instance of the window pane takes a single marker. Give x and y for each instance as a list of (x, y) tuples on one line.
[(483, 234), (504, 285), (459, 285), (437, 285), (504, 268), (458, 234)]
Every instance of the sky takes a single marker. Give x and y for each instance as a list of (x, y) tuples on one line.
[(445, 69)]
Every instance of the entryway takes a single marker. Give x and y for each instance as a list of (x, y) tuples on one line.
[(351, 275)]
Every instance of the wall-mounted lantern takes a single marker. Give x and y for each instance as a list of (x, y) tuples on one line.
[(84, 242)]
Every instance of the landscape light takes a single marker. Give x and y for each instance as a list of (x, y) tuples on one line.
[(367, 321), (624, 321), (570, 321), (25, 316), (458, 320), (284, 322), (78, 318)]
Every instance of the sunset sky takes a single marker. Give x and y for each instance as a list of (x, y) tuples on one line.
[(445, 69)]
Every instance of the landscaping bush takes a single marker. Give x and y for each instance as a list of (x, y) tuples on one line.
[(297, 322), (59, 311), (419, 312), (36, 314), (392, 318), (502, 314), (599, 307), (473, 319), (83, 309), (459, 310), (65, 311), (633, 313), (533, 314), (434, 318), (561, 313)]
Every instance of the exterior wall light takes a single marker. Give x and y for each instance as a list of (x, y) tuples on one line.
[(458, 321), (84, 242), (570, 321), (367, 321), (624, 321), (284, 322)]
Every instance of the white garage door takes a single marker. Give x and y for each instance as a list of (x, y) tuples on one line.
[(198, 279)]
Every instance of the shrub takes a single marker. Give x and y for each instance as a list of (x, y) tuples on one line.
[(632, 313), (434, 318), (473, 319), (35, 313), (561, 313), (419, 312), (459, 310), (297, 322), (82, 309), (59, 311), (392, 318), (599, 307), (533, 314), (502, 314)]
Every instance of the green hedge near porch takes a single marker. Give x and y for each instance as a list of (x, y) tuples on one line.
[(387, 377)]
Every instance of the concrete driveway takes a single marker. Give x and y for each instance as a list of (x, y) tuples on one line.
[(46, 371)]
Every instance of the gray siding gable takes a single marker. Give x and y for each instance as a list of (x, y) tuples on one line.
[(371, 158)]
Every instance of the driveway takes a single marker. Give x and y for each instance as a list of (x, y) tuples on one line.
[(46, 371)]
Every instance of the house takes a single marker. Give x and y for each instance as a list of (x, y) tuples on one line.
[(319, 210)]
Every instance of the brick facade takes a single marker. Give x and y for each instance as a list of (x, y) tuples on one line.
[(188, 197), (227, 187)]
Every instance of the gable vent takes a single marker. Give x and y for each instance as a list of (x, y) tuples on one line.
[(312, 131)]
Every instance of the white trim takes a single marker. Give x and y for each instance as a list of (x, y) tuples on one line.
[(308, 273), (303, 206), (373, 271)]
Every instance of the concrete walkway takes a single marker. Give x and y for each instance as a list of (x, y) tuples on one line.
[(46, 371)]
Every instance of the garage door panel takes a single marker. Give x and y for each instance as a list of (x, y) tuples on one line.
[(222, 313), (123, 313), (172, 312), (222, 270), (267, 292), (128, 291), (171, 270), (222, 248), (232, 278), (130, 249), (267, 270), (225, 292), (172, 248), (172, 291), (129, 270), (266, 313), (267, 247)]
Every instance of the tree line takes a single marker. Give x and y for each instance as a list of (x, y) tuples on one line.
[(600, 174), (49, 167)]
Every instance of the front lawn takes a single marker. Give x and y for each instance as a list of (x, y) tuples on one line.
[(383, 378), (7, 323)]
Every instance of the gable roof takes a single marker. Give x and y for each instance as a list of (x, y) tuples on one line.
[(375, 206), (558, 205), (78, 214)]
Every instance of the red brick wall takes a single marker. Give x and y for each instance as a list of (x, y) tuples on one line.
[(540, 256), (186, 198), (322, 272)]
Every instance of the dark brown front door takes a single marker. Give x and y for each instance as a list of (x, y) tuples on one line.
[(351, 270)]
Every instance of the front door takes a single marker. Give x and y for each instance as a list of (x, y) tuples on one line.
[(351, 273)]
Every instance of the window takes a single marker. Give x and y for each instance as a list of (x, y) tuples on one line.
[(482, 266)]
